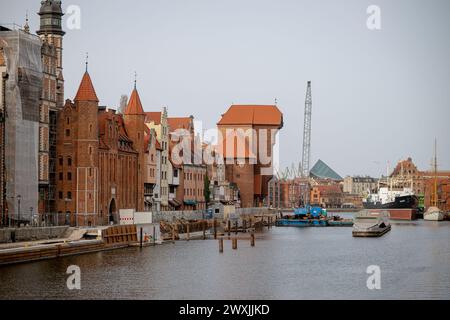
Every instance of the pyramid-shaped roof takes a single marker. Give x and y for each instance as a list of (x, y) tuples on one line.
[(322, 170), (86, 91), (134, 105)]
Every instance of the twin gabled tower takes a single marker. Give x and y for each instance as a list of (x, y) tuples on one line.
[(100, 158)]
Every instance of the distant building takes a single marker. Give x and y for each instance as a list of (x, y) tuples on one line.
[(406, 174), (287, 193), (241, 153), (360, 185), (321, 170), (327, 196)]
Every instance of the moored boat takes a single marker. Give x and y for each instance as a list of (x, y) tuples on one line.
[(371, 224), (433, 214)]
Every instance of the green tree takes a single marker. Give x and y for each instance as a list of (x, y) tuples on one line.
[(206, 191)]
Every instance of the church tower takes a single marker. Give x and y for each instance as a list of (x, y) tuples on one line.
[(134, 119), (51, 31), (52, 101)]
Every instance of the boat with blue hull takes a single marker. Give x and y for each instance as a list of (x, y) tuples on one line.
[(312, 217)]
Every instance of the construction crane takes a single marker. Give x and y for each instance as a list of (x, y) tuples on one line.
[(306, 153), (307, 133)]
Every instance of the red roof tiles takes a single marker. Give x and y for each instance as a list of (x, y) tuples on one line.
[(86, 91), (153, 117), (180, 123), (252, 115)]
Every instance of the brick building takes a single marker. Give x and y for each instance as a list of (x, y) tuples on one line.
[(406, 174), (100, 158), (51, 34), (151, 162), (158, 122), (327, 196), (240, 127), (188, 191)]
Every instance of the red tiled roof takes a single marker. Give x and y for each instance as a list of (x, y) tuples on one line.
[(86, 91), (179, 123), (134, 106), (252, 115), (153, 117)]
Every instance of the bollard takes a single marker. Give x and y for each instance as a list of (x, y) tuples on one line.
[(215, 229), (221, 245), (252, 239), (234, 242)]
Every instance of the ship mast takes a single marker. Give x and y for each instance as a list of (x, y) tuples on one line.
[(435, 198)]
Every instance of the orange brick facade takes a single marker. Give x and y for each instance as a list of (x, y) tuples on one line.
[(99, 168)]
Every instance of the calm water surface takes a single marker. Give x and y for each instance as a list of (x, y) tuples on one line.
[(287, 263)]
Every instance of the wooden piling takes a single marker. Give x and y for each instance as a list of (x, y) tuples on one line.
[(234, 243), (141, 236), (244, 224), (215, 228), (236, 227), (229, 227), (252, 239), (221, 245), (173, 233), (154, 235)]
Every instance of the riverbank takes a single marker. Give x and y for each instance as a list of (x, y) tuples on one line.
[(286, 263)]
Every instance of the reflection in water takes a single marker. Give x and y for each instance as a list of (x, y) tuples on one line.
[(287, 263)]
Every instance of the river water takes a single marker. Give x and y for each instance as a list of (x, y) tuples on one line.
[(286, 263)]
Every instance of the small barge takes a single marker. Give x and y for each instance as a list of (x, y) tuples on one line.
[(312, 217), (371, 224)]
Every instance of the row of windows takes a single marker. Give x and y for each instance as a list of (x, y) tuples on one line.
[(192, 176), (69, 176), (191, 192), (69, 195), (69, 161)]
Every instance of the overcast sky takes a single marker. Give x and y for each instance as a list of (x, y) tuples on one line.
[(378, 95)]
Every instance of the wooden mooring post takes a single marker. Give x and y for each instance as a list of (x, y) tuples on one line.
[(229, 227), (141, 237), (221, 245), (154, 235), (173, 233), (234, 243), (235, 227), (215, 228)]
